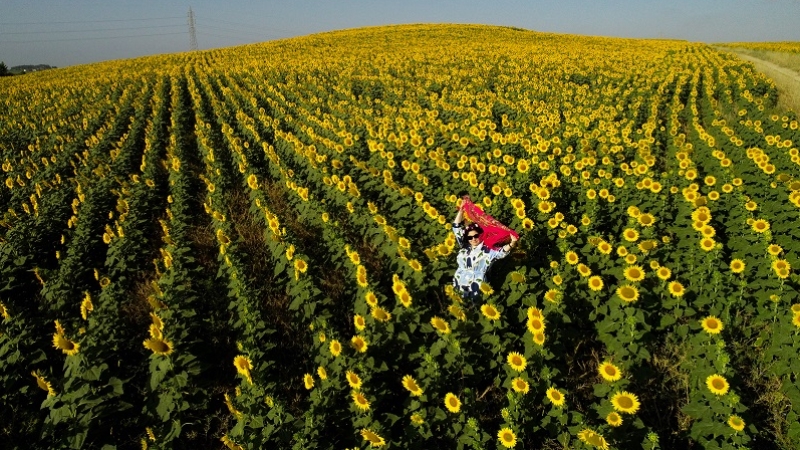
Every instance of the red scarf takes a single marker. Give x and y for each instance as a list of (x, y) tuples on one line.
[(495, 234)]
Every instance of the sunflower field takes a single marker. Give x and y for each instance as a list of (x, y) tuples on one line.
[(251, 247)]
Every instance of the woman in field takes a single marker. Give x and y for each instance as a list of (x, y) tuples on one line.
[(482, 242)]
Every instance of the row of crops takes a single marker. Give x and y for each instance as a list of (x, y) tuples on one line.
[(251, 247), (784, 46)]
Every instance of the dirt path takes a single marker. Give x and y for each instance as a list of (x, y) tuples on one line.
[(787, 80)]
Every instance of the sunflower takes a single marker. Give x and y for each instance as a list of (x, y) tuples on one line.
[(308, 381), (609, 371), (634, 273), (452, 403), (538, 338), (243, 366), (717, 384), (507, 437), (457, 312), (555, 396), (86, 306), (360, 400), (737, 266), (520, 385), (631, 258), (553, 295), (625, 402), (159, 346), (359, 343), (676, 289), (412, 386), (604, 247), (591, 438), (373, 438), (584, 270), (335, 347), (535, 324), (323, 374), (630, 235), (796, 320), (381, 315), (760, 226), (490, 312), (358, 321), (43, 383), (628, 293), (405, 298), (774, 249), (664, 273), (535, 312), (712, 325), (572, 258), (595, 283), (614, 419), (707, 244), (516, 361), (736, 422), (353, 379), (646, 220)]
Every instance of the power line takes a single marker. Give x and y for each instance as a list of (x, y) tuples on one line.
[(90, 39), (87, 31), (254, 33), (86, 21)]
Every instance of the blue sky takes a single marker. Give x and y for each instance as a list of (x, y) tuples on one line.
[(69, 32)]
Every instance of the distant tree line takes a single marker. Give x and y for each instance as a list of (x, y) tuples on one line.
[(19, 70)]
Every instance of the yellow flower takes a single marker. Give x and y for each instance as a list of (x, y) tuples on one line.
[(353, 379), (360, 401), (538, 338), (535, 324), (572, 258), (440, 325), (43, 383), (490, 312), (552, 296), (520, 385), (609, 371), (707, 244), (760, 226), (717, 384), (712, 325), (517, 361), (595, 283), (630, 235), (591, 438), (664, 273), (736, 423), (308, 381), (628, 293), (381, 315), (625, 402), (634, 273), (243, 366), (452, 403), (359, 343), (555, 396), (676, 289), (412, 386), (323, 374), (646, 220), (159, 346), (335, 347), (417, 419), (358, 321), (614, 419), (373, 438), (507, 437), (86, 306)]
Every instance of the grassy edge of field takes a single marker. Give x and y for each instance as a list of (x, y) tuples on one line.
[(765, 62)]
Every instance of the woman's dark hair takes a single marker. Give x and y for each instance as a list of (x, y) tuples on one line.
[(471, 227)]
